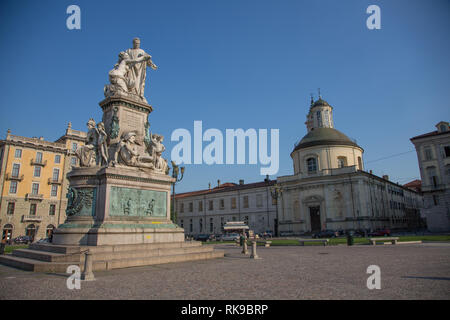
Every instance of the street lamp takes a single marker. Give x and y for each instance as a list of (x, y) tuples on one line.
[(175, 174), (276, 191)]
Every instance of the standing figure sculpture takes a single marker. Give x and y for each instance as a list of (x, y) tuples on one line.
[(157, 148), (102, 144), (138, 70), (88, 153)]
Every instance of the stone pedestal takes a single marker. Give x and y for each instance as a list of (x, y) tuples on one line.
[(118, 205)]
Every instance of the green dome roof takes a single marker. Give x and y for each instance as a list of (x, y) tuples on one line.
[(324, 136)]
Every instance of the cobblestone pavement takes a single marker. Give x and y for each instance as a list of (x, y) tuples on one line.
[(419, 271)]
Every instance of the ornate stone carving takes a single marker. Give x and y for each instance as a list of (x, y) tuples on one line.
[(128, 76), (128, 152), (81, 201), (88, 153), (157, 148)]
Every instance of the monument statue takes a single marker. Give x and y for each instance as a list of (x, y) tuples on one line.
[(128, 76), (87, 154), (136, 147)]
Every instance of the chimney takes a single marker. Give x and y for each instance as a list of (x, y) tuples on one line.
[(218, 183), (209, 185), (241, 182), (385, 177)]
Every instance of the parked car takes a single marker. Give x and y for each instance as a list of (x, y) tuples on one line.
[(380, 233), (325, 234), (230, 236), (202, 237), (23, 239)]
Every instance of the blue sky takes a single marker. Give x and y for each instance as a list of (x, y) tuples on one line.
[(236, 64)]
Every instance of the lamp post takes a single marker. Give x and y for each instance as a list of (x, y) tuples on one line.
[(276, 191), (175, 174)]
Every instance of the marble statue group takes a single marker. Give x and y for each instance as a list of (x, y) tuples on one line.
[(104, 146)]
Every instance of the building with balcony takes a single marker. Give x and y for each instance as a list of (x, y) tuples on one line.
[(433, 154), (33, 183), (330, 189)]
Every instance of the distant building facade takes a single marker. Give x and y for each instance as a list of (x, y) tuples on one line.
[(33, 183), (331, 190), (207, 211), (433, 154)]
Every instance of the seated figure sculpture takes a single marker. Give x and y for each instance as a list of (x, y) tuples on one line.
[(128, 152)]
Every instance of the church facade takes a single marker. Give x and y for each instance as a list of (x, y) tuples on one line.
[(330, 190)]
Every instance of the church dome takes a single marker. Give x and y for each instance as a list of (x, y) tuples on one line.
[(320, 102), (324, 136)]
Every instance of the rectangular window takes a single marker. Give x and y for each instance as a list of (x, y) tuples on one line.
[(447, 151), (52, 210), (35, 188), (233, 203), (73, 161), (11, 207), (13, 187), (33, 209), (245, 201), (57, 158), (211, 205), (15, 170), (428, 154), (211, 225), (37, 171), (182, 223), (54, 191), (18, 153), (259, 200), (182, 207), (55, 174), (74, 146), (436, 200), (39, 157), (191, 206), (222, 204), (200, 206)]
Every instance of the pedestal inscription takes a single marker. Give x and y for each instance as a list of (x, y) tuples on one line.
[(137, 202)]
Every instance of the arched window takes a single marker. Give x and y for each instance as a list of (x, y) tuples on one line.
[(360, 167), (311, 163), (31, 231), (342, 162), (49, 230), (7, 232)]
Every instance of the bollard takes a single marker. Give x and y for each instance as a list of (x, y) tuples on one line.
[(87, 274), (254, 255), (244, 247)]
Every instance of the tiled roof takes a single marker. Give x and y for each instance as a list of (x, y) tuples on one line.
[(225, 188), (429, 134)]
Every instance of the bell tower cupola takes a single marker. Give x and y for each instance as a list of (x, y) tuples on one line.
[(320, 114)]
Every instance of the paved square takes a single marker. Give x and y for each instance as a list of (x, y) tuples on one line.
[(408, 271)]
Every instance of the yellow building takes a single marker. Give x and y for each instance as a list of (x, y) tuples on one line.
[(33, 183)]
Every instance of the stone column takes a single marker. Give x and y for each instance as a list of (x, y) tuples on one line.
[(254, 255)]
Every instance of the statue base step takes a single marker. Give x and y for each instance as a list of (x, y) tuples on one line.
[(57, 258)]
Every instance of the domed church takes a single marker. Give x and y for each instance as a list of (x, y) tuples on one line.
[(330, 190)]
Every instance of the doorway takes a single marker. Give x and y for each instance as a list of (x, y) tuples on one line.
[(314, 213)]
